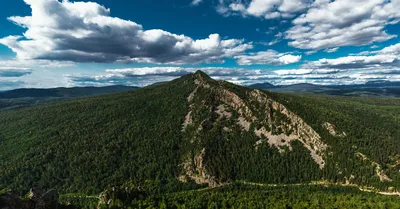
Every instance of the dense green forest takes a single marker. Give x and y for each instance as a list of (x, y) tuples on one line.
[(371, 126), (87, 145), (182, 135), (244, 196)]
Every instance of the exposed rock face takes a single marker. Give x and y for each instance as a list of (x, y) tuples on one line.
[(188, 121), (223, 111), (292, 127), (196, 171), (105, 198), (332, 130), (378, 168), (254, 112), (37, 200)]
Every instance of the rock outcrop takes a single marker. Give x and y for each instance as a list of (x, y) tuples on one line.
[(252, 111), (379, 172), (332, 130)]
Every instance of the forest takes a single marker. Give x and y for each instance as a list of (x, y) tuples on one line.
[(94, 145)]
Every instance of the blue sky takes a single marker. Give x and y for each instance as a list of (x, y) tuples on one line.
[(51, 43)]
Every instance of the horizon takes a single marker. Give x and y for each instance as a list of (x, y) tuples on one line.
[(52, 43), (251, 86)]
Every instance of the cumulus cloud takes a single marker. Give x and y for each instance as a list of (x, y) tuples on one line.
[(18, 63), (331, 50), (14, 72), (269, 57), (332, 24), (149, 75), (85, 32), (307, 71), (388, 57), (261, 8)]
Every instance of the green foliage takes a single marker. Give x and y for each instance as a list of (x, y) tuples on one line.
[(371, 126), (233, 156), (93, 144), (3, 191), (78, 202), (90, 144), (289, 196)]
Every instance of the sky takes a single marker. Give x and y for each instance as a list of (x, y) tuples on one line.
[(61, 43)]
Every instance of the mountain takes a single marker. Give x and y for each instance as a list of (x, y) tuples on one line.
[(371, 89), (262, 86), (64, 92), (194, 132), (19, 98)]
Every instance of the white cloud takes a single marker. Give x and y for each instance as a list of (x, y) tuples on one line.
[(270, 9), (391, 50), (269, 57), (85, 32), (36, 63), (289, 59), (196, 2), (306, 71), (331, 24), (44, 78), (277, 39), (387, 57), (331, 50), (150, 75)]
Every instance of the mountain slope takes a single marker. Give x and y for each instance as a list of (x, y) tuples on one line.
[(197, 130), (19, 98), (369, 89), (223, 118)]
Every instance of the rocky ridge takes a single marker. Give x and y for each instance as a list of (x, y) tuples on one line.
[(254, 111)]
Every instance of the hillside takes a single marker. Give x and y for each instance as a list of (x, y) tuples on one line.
[(369, 89), (20, 98), (194, 132)]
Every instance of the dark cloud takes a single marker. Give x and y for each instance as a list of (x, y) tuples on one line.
[(85, 32), (10, 84), (14, 72)]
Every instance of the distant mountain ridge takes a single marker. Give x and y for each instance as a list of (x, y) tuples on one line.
[(64, 92), (20, 98), (371, 88)]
